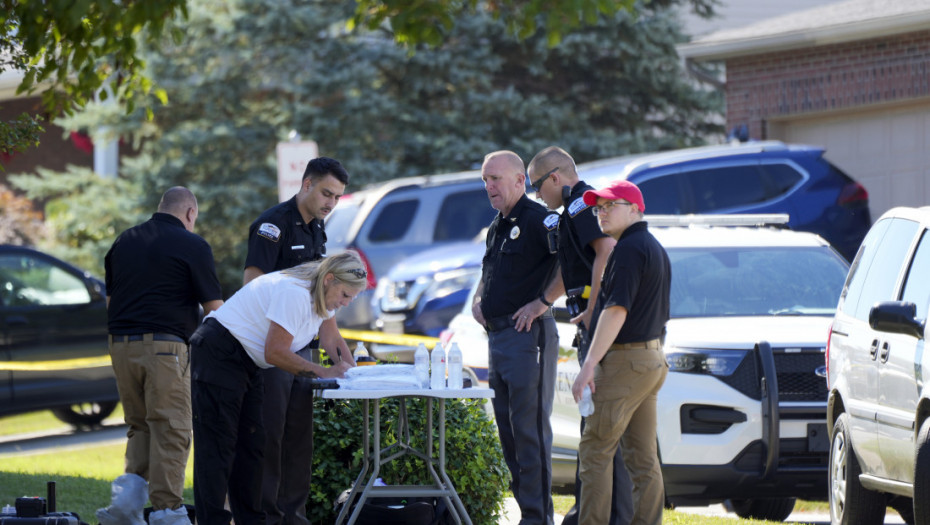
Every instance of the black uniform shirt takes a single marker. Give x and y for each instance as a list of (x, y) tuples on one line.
[(280, 239), (517, 263), (577, 228), (638, 277), (157, 275)]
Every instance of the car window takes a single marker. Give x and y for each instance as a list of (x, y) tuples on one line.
[(882, 274), (712, 282), (860, 266), (393, 221), (662, 195), (724, 187), (28, 281), (462, 215), (779, 178), (917, 286)]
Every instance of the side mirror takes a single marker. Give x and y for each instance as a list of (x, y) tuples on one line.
[(896, 317)]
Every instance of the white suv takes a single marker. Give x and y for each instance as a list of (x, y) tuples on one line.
[(742, 414), (878, 407)]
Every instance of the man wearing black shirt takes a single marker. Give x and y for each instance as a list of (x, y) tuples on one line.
[(625, 366), (522, 347), (284, 236), (158, 274), (583, 253)]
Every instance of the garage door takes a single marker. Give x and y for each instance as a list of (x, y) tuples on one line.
[(887, 150)]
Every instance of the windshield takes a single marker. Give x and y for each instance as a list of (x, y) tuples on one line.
[(712, 282)]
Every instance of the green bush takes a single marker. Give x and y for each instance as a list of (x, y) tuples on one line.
[(474, 460)]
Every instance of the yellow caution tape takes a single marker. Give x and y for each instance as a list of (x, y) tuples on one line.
[(64, 364), (96, 362), (388, 339)]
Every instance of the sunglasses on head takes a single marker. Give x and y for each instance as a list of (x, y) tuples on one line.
[(358, 273)]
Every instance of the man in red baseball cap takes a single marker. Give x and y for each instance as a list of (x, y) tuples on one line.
[(625, 366)]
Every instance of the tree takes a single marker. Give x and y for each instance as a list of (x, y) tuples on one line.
[(249, 71), (73, 49)]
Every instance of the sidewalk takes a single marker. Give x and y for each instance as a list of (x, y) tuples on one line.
[(512, 514)]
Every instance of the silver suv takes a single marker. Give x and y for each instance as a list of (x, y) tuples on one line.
[(401, 217), (878, 406)]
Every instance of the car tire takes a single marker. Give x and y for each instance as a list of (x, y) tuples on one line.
[(922, 476), (85, 414), (850, 502), (769, 509)]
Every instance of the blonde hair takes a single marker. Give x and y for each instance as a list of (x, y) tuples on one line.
[(347, 268)]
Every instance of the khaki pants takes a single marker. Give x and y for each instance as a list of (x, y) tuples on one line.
[(153, 378), (626, 383)]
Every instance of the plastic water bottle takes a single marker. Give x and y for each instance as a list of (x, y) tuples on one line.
[(586, 406), (8, 510), (360, 351), (455, 367), (437, 373), (421, 365)]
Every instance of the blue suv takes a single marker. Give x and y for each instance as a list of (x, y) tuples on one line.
[(751, 177)]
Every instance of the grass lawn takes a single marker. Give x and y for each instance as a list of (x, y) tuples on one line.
[(83, 476)]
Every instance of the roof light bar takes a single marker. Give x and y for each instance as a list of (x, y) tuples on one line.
[(745, 219)]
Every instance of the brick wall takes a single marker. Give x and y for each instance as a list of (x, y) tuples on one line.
[(826, 78)]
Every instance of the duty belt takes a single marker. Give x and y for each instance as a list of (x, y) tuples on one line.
[(496, 324), (654, 344)]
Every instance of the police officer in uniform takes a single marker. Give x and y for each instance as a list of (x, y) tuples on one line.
[(523, 348), (158, 275), (282, 237), (583, 253)]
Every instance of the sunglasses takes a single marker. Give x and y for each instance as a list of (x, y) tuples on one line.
[(538, 184), (358, 273)]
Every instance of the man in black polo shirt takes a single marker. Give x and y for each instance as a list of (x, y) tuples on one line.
[(284, 236), (158, 274), (583, 253), (522, 347), (625, 366)]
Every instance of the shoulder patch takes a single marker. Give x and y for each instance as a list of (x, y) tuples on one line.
[(551, 221), (269, 231), (575, 207)]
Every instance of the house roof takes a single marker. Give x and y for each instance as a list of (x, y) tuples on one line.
[(844, 21)]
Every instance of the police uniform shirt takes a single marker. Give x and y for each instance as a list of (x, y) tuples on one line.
[(517, 263), (577, 229), (280, 239), (157, 275), (638, 277)]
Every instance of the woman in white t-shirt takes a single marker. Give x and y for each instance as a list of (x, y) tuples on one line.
[(260, 326)]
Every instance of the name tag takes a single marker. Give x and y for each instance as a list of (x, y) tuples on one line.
[(298, 247)]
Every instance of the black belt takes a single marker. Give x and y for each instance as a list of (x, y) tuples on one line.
[(496, 324), (140, 337)]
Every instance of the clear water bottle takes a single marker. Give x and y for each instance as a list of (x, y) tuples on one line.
[(360, 351), (586, 406), (437, 373), (455, 366), (421, 365), (8, 511)]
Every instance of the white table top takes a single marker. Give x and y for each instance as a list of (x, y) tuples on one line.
[(445, 393)]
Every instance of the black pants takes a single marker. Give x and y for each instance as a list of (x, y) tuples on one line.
[(226, 391)]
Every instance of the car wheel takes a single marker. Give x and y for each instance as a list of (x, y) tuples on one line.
[(922, 476), (85, 414), (850, 502), (769, 509)]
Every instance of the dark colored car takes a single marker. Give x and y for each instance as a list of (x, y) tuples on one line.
[(53, 339), (423, 292), (752, 177)]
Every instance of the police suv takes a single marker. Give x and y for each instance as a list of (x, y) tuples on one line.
[(742, 414)]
